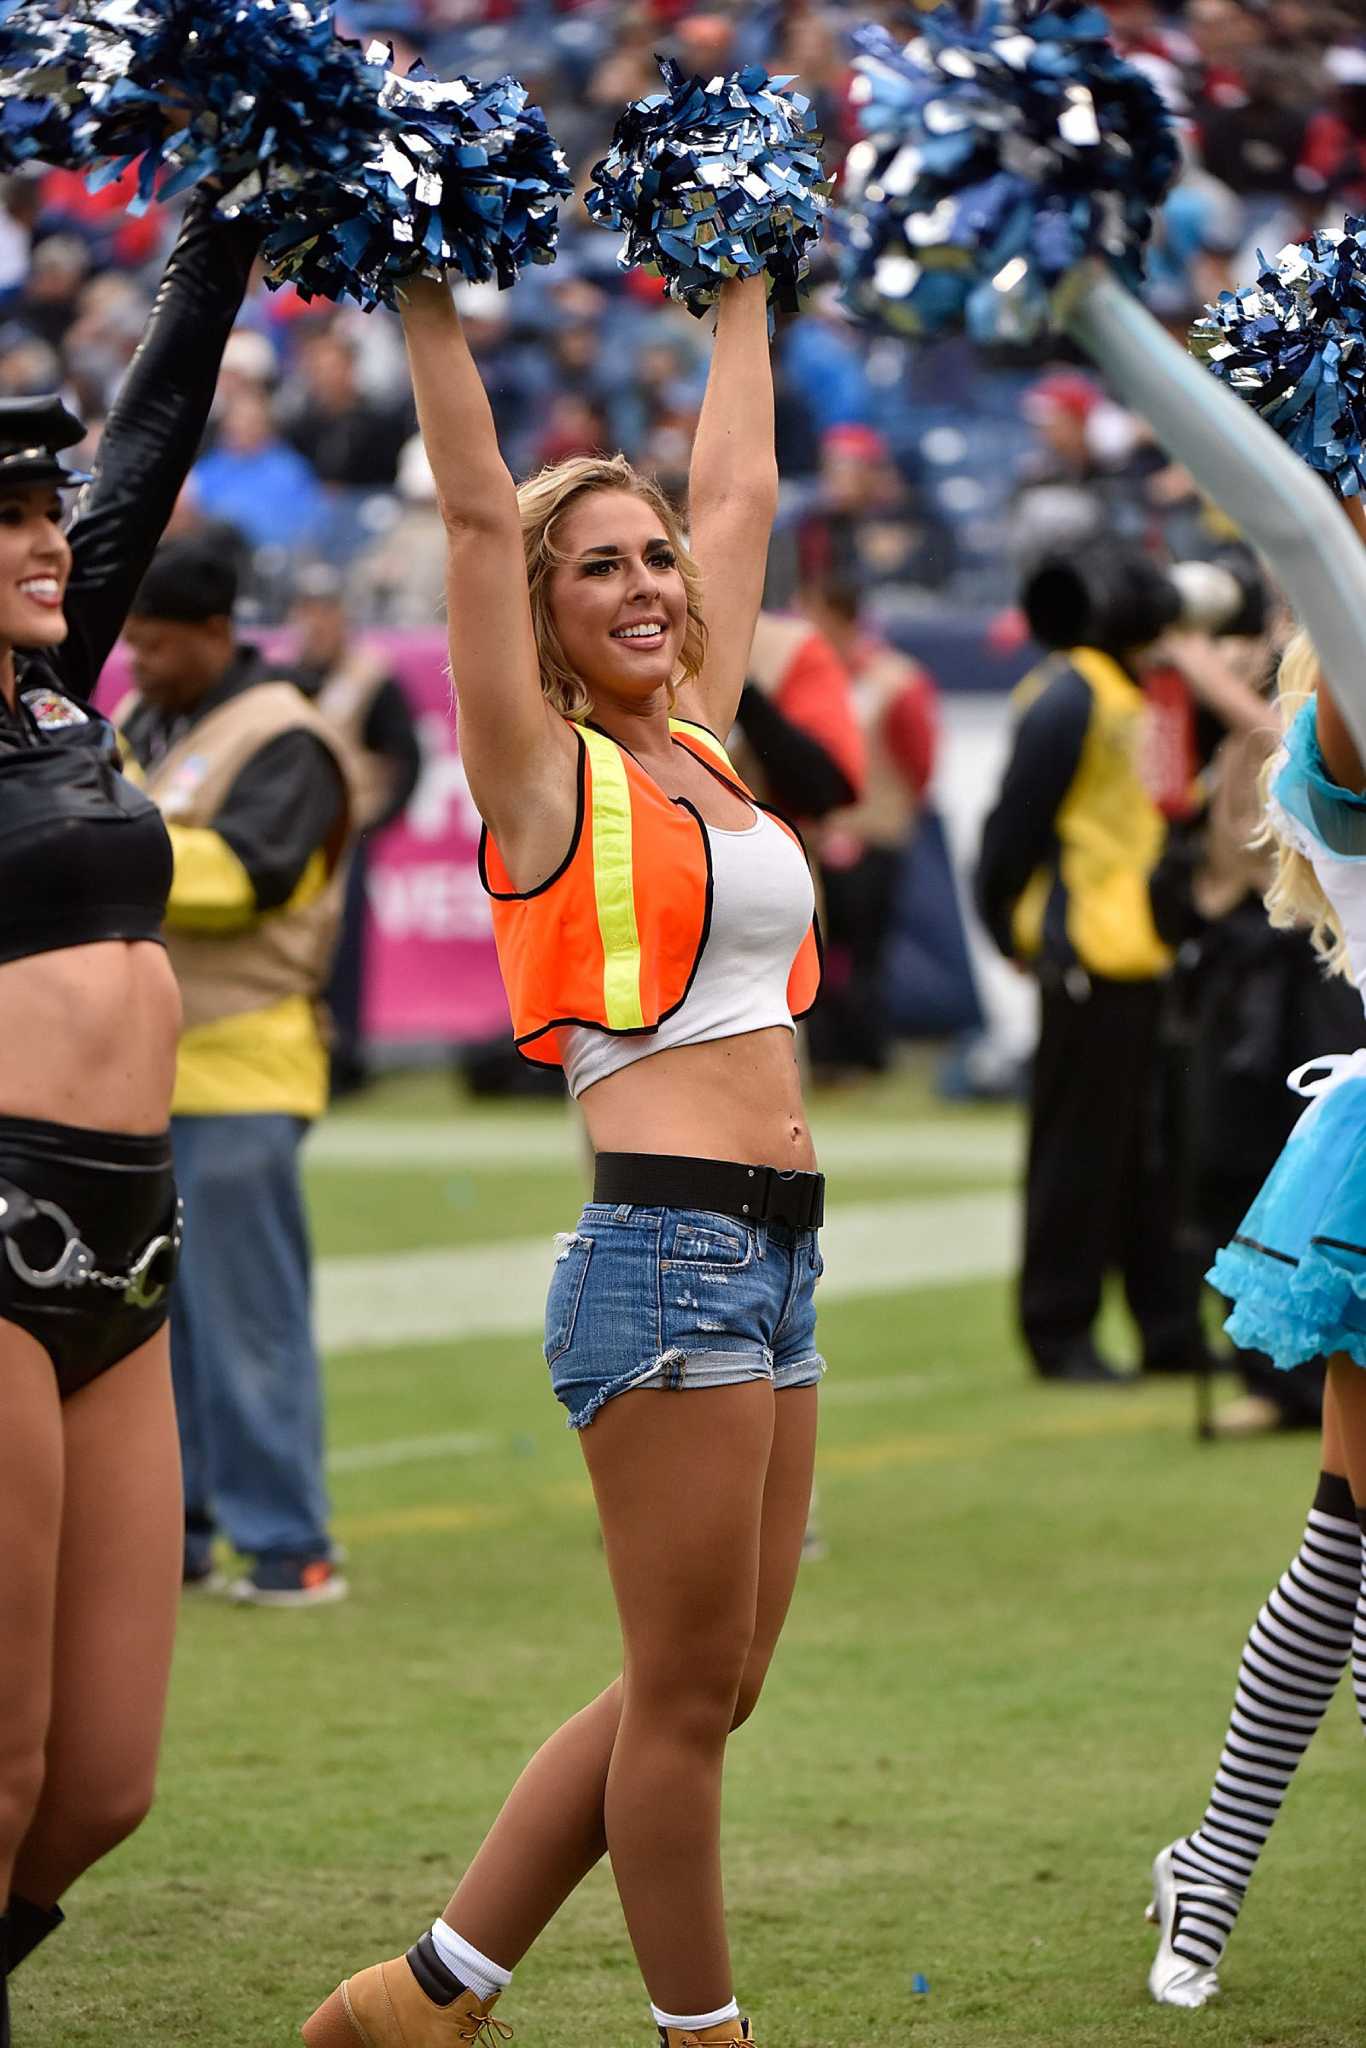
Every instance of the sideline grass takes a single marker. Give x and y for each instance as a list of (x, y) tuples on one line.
[(1001, 1692)]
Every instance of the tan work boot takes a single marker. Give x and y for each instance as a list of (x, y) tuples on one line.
[(386, 2007), (729, 2034)]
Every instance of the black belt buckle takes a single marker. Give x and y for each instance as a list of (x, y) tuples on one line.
[(794, 1198)]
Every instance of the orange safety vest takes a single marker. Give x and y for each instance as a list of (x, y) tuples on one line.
[(613, 938)]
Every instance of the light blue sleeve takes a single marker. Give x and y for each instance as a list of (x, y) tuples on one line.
[(1307, 797), (1285, 510)]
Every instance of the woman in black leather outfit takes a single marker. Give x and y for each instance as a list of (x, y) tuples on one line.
[(90, 1508)]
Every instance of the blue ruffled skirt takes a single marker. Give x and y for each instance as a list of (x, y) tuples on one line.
[(1296, 1270)]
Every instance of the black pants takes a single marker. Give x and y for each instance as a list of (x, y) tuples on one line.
[(1099, 1193), (346, 987)]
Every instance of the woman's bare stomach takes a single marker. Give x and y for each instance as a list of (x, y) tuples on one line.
[(88, 1037), (736, 1098)]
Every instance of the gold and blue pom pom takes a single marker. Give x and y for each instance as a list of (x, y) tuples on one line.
[(717, 179), (467, 179), (1293, 344), (997, 155)]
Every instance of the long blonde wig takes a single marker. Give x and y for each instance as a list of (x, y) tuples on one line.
[(542, 500), (1295, 898)]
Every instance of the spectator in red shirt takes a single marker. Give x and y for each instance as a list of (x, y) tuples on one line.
[(800, 745), (127, 240), (861, 846), (1333, 160)]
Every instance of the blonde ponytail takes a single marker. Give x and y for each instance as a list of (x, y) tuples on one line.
[(1295, 899)]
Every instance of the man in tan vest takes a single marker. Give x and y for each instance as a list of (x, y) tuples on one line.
[(254, 789), (350, 683)]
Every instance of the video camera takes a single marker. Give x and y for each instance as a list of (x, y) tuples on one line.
[(1112, 594)]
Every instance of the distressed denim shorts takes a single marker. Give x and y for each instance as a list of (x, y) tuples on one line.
[(678, 1298)]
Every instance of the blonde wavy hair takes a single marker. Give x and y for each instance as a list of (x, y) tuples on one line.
[(1295, 898), (542, 500)]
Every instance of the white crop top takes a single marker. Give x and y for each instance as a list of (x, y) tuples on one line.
[(762, 906)]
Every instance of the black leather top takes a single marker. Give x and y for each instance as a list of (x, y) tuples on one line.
[(83, 853)]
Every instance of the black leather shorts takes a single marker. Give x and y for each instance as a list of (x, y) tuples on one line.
[(118, 1193)]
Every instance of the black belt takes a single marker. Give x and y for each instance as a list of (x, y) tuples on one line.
[(759, 1194)]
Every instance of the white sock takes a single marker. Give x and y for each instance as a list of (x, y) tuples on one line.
[(694, 2022), (475, 1972)]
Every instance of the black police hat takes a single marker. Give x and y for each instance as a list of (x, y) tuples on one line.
[(33, 432)]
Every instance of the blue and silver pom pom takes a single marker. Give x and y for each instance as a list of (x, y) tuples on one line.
[(467, 179), (56, 70), (1294, 346), (185, 89), (360, 178), (998, 154), (714, 180)]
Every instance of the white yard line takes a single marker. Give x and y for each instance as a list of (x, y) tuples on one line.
[(498, 1290), (967, 1146), (421, 1450), (411, 1450)]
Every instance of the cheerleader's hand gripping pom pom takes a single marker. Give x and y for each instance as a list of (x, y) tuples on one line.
[(715, 179), (359, 178), (467, 178), (998, 154), (1294, 346), (191, 89)]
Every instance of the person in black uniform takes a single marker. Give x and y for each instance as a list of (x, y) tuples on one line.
[(1248, 1001), (90, 1508), (1062, 887)]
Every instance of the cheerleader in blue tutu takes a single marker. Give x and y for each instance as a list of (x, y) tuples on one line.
[(1007, 180), (1296, 1270), (1295, 1273)]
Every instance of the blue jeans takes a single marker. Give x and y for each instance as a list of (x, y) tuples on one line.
[(678, 1298), (247, 1385)]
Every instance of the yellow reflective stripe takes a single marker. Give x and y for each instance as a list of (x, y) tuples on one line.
[(614, 883), (211, 890), (706, 739), (311, 882)]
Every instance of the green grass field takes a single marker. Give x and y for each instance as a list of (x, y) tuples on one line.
[(998, 1695)]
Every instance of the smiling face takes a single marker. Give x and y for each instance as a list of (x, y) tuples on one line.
[(617, 597), (35, 562)]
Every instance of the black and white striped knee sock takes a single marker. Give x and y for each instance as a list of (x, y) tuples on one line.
[(1291, 1665), (1359, 1638)]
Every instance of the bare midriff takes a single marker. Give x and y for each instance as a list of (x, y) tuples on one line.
[(735, 1098), (88, 1037)]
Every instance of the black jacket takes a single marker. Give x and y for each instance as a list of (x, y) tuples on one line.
[(150, 442)]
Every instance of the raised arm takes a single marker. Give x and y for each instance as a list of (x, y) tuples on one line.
[(1287, 512), (153, 433), (733, 496), (516, 750), (1342, 756)]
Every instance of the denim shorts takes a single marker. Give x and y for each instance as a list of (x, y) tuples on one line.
[(678, 1298)]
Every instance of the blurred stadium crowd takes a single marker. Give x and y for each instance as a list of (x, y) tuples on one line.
[(940, 473)]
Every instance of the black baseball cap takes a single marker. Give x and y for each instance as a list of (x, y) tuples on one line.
[(33, 434), (188, 582)]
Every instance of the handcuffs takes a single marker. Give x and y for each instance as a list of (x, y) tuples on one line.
[(143, 1286)]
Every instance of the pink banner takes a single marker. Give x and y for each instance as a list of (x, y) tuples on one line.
[(431, 971)]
